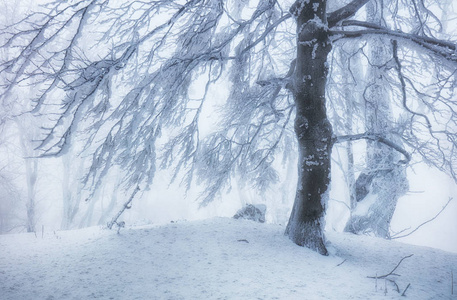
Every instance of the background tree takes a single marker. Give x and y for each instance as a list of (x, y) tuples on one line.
[(21, 129), (27, 133), (73, 171), (132, 80), (10, 195), (383, 181)]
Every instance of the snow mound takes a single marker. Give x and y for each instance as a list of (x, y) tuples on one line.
[(217, 258)]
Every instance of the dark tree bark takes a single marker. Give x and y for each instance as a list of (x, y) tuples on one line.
[(312, 127)]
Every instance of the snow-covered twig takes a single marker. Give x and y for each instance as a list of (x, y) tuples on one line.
[(377, 138)]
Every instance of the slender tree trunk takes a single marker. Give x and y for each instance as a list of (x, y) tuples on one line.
[(312, 127), (26, 135), (86, 220), (71, 188), (107, 212), (350, 163), (66, 194), (350, 100), (31, 166)]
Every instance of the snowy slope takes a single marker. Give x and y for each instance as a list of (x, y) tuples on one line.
[(214, 259)]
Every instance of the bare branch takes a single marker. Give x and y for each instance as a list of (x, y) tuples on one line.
[(426, 222)]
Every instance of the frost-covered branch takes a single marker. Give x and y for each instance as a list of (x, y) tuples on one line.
[(377, 138), (112, 82), (442, 150), (442, 48), (127, 205), (129, 83)]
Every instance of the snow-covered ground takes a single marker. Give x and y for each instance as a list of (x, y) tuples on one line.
[(218, 258)]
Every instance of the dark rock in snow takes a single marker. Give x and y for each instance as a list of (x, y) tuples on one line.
[(252, 212)]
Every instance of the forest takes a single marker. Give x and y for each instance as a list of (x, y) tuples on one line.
[(319, 109)]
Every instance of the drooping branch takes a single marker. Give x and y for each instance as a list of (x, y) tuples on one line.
[(403, 86), (447, 163), (87, 84), (130, 79)]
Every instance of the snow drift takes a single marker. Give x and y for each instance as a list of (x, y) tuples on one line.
[(215, 259)]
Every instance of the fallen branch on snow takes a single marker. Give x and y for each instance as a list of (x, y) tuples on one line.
[(391, 272)]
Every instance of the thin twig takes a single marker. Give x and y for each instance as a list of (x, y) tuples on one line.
[(404, 292), (400, 232), (428, 221), (397, 288), (341, 263), (341, 202)]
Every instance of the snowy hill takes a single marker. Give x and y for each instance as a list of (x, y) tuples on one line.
[(215, 259)]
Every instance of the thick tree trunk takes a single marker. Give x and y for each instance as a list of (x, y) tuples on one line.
[(312, 127), (374, 212), (383, 182)]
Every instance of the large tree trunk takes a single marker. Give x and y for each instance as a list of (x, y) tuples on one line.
[(383, 182), (312, 127)]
